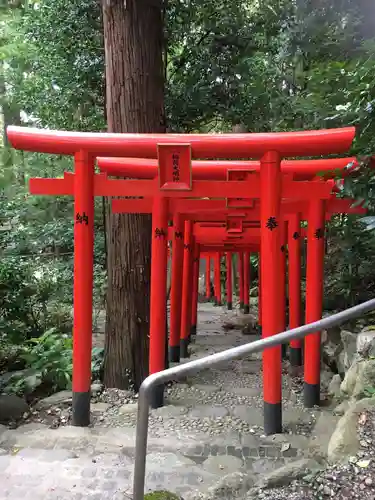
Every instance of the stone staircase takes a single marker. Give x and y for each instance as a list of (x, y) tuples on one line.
[(207, 440)]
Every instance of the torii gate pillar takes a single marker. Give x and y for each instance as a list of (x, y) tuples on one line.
[(186, 290), (229, 281), (270, 186), (294, 276), (176, 287), (314, 299), (158, 293), (246, 282), (240, 278), (83, 283)]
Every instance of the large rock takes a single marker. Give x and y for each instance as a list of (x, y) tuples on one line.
[(288, 473), (229, 486), (359, 377), (331, 348), (349, 342), (344, 441), (334, 388), (247, 323), (365, 345), (60, 398), (12, 407), (28, 375), (348, 384)]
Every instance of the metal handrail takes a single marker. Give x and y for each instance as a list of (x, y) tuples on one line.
[(198, 365)]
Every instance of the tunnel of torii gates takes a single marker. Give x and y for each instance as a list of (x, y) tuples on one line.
[(216, 207)]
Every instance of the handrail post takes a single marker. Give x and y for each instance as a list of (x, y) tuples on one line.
[(141, 443)]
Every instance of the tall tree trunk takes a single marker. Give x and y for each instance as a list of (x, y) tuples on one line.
[(133, 36)]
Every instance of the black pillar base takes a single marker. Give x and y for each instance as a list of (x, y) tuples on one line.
[(81, 409), (272, 418), (157, 396), (184, 352), (295, 356), (241, 305), (246, 309), (193, 330), (218, 303), (284, 354), (174, 354), (311, 395), (230, 306)]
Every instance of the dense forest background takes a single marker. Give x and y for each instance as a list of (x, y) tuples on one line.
[(263, 65)]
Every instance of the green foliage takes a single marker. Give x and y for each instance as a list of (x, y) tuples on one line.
[(64, 87), (25, 300), (50, 356), (161, 495), (369, 392), (48, 363)]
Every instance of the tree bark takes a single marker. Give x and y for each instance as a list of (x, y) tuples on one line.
[(133, 37)]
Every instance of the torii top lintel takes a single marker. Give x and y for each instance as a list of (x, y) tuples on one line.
[(235, 146), (141, 168)]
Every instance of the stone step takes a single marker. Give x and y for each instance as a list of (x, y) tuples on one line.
[(34, 473), (209, 429)]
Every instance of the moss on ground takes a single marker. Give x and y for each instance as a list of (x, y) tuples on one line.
[(161, 495)]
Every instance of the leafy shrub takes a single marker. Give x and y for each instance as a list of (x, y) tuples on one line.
[(48, 362), (25, 307)]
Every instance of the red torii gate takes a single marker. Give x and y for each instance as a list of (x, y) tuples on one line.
[(144, 205), (218, 170), (85, 185), (213, 211)]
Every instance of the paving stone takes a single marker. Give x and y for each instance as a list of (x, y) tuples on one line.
[(166, 461), (250, 440), (46, 455), (250, 392), (290, 452), (100, 407), (262, 465), (229, 438), (251, 366), (222, 464), (170, 411), (296, 440), (272, 452), (292, 415), (251, 415), (207, 388), (128, 408), (202, 411), (234, 452), (214, 450)]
